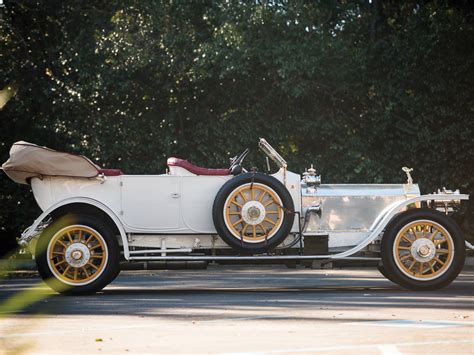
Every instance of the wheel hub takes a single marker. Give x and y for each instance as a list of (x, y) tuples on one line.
[(253, 212), (77, 254), (423, 250)]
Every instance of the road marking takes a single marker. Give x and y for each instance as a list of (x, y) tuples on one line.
[(407, 323), (352, 347)]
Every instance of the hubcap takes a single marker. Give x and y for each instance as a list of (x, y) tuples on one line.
[(253, 213), (423, 250), (77, 255)]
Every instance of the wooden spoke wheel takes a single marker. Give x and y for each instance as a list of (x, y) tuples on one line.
[(78, 254), (422, 249), (253, 212)]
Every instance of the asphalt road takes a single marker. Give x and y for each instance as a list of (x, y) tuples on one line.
[(243, 310)]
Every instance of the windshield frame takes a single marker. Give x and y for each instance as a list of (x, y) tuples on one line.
[(272, 153)]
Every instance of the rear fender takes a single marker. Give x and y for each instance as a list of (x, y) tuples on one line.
[(73, 203)]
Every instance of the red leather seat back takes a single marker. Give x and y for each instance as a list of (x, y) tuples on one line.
[(110, 172), (196, 169)]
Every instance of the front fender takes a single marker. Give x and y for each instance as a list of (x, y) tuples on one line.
[(389, 213)]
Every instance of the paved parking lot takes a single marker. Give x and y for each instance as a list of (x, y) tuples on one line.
[(241, 310)]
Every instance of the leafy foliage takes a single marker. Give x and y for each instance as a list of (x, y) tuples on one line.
[(359, 88)]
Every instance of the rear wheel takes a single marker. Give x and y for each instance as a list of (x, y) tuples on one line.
[(423, 249), (253, 212), (77, 254)]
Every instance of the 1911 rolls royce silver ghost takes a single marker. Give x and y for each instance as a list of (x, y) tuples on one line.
[(93, 218)]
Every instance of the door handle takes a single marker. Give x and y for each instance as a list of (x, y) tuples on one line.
[(175, 195)]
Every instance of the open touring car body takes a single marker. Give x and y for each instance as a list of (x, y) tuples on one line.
[(173, 210), (173, 216)]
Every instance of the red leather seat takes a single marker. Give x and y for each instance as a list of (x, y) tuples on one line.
[(110, 172), (195, 169)]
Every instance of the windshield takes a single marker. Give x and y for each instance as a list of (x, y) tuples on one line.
[(271, 153)]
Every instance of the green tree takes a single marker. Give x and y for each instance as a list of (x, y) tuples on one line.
[(358, 88)]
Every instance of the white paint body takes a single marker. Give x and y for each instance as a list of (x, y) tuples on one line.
[(173, 212), (175, 203)]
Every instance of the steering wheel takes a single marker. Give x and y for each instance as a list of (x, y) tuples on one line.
[(235, 162)]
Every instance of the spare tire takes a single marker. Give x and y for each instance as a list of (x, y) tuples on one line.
[(253, 212)]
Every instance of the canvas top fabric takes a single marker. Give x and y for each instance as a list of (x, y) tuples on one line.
[(28, 160)]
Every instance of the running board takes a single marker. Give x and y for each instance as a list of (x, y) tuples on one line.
[(252, 258)]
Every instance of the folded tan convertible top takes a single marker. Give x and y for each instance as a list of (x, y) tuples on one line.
[(29, 160)]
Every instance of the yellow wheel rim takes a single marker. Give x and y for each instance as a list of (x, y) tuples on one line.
[(77, 255), (253, 213), (423, 250)]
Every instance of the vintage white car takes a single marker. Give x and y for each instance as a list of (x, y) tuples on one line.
[(94, 218)]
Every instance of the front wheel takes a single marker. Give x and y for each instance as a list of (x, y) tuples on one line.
[(423, 249), (77, 254)]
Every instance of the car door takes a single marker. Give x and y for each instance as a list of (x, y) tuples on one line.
[(198, 197), (151, 203)]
